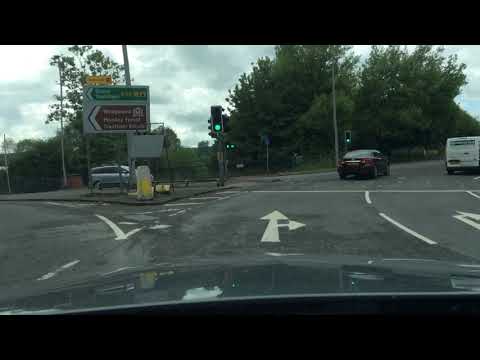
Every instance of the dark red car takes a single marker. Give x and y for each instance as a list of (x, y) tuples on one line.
[(366, 163)]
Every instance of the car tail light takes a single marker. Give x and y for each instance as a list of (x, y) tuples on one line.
[(366, 161)]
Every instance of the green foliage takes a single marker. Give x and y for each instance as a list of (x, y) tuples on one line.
[(395, 99)]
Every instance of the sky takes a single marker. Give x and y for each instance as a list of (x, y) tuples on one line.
[(184, 81)]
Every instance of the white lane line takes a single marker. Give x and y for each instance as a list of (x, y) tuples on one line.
[(70, 264), (224, 198), (474, 195), (119, 269), (367, 197), (206, 198), (228, 192), (408, 230), (61, 268), (182, 204), (476, 178), (127, 223), (159, 226), (47, 276), (178, 213)]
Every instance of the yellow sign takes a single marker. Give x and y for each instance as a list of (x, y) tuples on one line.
[(99, 80)]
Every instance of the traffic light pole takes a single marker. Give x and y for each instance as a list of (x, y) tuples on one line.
[(220, 157)]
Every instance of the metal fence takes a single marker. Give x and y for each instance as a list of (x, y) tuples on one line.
[(22, 184)]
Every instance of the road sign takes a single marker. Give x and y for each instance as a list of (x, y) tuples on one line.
[(118, 93), (99, 80), (116, 109), (271, 232), (116, 118)]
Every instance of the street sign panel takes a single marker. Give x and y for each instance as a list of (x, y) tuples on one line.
[(116, 109), (118, 93), (99, 80), (146, 146), (116, 118)]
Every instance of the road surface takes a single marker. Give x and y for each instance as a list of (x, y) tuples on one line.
[(417, 212)]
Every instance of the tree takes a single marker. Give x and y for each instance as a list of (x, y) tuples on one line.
[(274, 97), (407, 99), (80, 62), (8, 145)]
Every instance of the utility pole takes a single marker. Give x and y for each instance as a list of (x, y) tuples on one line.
[(131, 162), (64, 171), (6, 162), (335, 128)]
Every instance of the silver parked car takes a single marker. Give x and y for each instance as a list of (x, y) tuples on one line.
[(107, 176)]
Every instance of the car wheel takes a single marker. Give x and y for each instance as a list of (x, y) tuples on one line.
[(374, 173), (97, 185), (387, 171), (342, 176), (450, 172)]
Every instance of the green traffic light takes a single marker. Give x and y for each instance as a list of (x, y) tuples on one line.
[(217, 127)]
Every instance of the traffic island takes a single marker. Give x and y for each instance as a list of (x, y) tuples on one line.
[(114, 196)]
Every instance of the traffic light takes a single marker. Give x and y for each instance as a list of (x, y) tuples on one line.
[(216, 118), (212, 133), (230, 146), (348, 137), (226, 125)]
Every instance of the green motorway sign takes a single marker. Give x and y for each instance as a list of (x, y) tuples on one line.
[(118, 93)]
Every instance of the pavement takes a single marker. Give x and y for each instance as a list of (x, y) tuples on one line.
[(418, 212), (113, 195)]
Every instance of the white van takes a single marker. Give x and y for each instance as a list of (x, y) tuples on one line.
[(462, 153)]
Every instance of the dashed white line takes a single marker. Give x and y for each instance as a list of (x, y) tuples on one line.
[(367, 197), (182, 204), (178, 213), (206, 198), (61, 268), (127, 223), (473, 194), (408, 230), (159, 226), (70, 264), (228, 192)]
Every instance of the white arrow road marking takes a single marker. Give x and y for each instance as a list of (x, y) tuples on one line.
[(157, 227), (271, 232), (468, 218), (476, 178), (120, 235), (408, 230), (473, 194), (367, 197), (61, 268)]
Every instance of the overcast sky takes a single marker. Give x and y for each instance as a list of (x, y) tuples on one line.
[(184, 81)]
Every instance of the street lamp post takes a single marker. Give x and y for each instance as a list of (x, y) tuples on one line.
[(335, 128), (131, 162), (64, 171)]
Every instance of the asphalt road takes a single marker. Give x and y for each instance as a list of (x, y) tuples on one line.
[(418, 212)]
